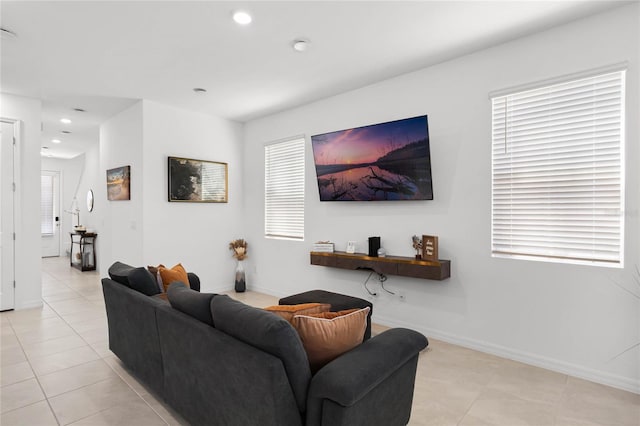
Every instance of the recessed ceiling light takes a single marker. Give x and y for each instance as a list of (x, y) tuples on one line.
[(66, 132), (65, 121), (79, 110), (45, 147), (241, 17), (300, 45), (199, 90), (56, 140)]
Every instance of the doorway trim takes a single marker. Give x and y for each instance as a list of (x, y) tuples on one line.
[(17, 222)]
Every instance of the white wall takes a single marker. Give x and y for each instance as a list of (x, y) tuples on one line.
[(70, 174), (149, 230), (27, 256), (95, 179), (568, 318), (194, 234), (119, 223)]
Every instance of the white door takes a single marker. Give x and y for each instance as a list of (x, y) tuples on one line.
[(7, 244), (50, 213)]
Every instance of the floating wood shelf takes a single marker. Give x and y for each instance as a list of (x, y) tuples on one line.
[(390, 265)]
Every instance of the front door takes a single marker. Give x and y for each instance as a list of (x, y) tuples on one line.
[(7, 228), (50, 213)]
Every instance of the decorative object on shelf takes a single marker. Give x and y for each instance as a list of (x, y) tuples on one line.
[(430, 247), (323, 246), (90, 200), (374, 245), (382, 252), (351, 246), (119, 183), (239, 248), (74, 211), (197, 181), (417, 245)]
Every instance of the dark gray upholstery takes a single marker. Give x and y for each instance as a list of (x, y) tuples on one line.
[(197, 305), (380, 372), (269, 333), (338, 302), (119, 272), (142, 280), (194, 281), (250, 369), (133, 332), (212, 378)]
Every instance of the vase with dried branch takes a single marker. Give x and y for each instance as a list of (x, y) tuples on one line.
[(239, 248)]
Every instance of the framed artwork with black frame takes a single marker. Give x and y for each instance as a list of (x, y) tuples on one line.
[(197, 181)]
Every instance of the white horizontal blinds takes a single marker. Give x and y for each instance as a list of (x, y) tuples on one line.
[(558, 170), (284, 189), (46, 205)]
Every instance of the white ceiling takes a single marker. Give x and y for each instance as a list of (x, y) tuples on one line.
[(104, 55)]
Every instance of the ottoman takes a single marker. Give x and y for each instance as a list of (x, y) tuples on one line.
[(338, 302)]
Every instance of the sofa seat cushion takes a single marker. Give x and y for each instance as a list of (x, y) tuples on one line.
[(169, 276), (326, 336), (193, 303), (288, 311), (269, 333)]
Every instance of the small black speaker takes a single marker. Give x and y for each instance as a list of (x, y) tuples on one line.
[(374, 245)]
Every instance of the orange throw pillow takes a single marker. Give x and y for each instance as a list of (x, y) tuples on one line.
[(288, 311), (325, 339), (169, 276)]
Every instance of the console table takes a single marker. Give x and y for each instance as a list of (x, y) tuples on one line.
[(86, 243), (389, 265)]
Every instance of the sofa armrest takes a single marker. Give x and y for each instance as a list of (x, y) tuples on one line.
[(364, 380), (194, 281)]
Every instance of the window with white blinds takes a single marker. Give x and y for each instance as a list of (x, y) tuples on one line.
[(46, 205), (284, 189), (558, 172)]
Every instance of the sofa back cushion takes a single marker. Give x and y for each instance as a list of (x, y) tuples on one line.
[(119, 272), (193, 303), (269, 333), (142, 280)]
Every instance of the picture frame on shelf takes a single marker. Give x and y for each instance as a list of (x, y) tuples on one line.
[(430, 248)]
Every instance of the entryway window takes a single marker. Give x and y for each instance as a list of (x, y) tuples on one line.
[(284, 189), (558, 171), (46, 204)]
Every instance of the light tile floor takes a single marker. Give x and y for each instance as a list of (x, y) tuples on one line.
[(56, 369)]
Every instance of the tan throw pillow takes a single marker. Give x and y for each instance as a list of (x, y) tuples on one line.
[(169, 276), (155, 271), (326, 339), (288, 311)]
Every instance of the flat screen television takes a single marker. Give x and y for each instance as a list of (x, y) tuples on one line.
[(382, 162)]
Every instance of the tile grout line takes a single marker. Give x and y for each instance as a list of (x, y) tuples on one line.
[(35, 376), (110, 366)]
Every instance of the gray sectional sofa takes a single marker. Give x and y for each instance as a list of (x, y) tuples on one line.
[(217, 361)]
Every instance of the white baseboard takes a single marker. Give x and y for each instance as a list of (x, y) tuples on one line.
[(29, 304), (563, 367)]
